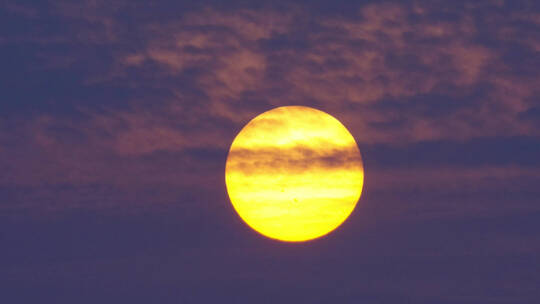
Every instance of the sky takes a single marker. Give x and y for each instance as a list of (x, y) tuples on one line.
[(116, 118)]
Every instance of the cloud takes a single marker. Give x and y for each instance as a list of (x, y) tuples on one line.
[(130, 97), (295, 159), (387, 51)]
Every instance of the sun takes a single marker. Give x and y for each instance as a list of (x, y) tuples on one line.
[(294, 173)]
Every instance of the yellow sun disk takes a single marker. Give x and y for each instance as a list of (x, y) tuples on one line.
[(294, 173)]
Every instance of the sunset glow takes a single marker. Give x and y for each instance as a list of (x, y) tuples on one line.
[(294, 173)]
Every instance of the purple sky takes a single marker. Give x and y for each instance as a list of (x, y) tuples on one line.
[(116, 117)]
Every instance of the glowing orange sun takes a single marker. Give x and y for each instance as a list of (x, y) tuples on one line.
[(294, 173)]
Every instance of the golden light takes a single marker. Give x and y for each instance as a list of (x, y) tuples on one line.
[(294, 173)]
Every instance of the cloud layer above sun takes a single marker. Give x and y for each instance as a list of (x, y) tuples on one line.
[(122, 97)]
